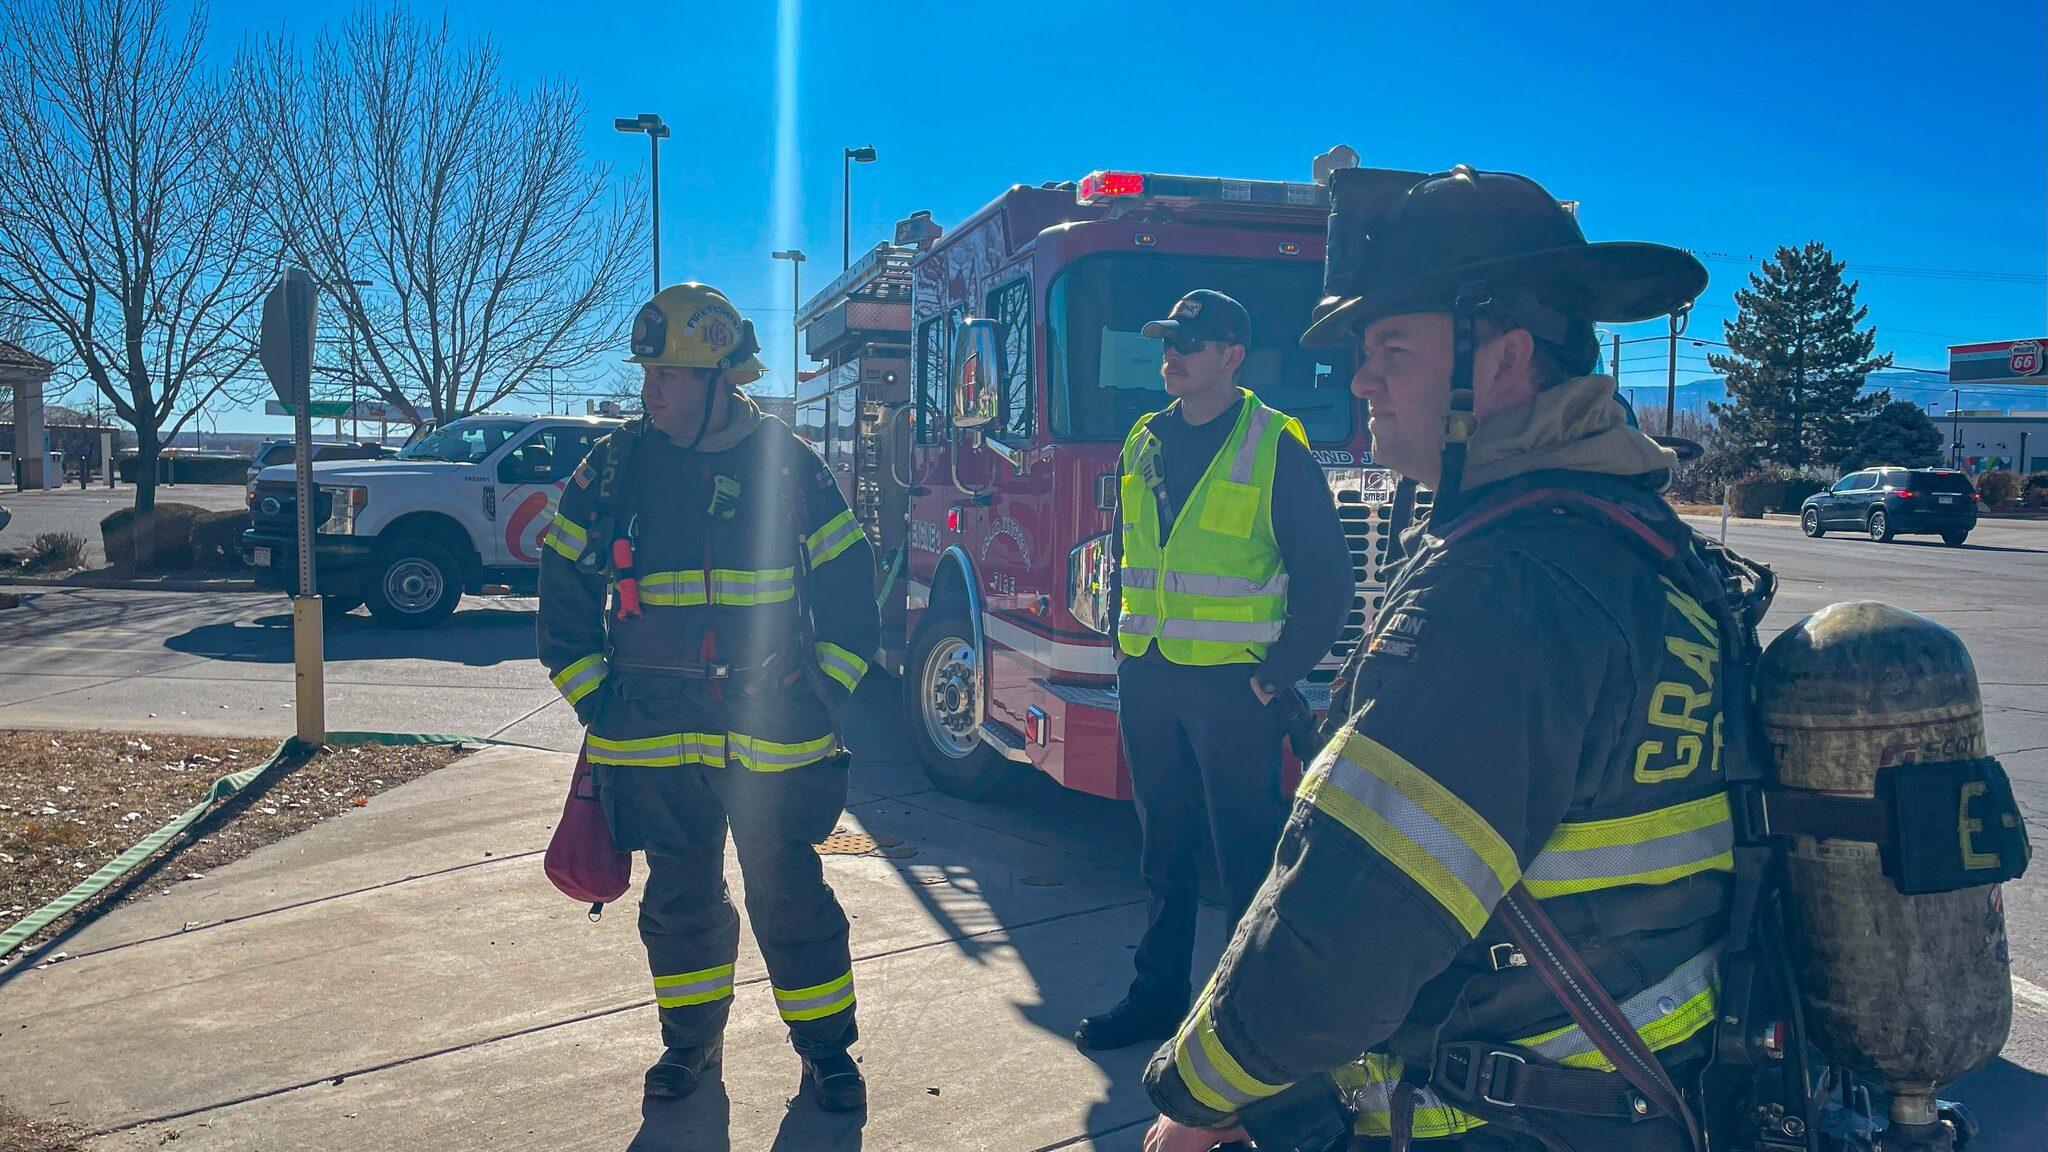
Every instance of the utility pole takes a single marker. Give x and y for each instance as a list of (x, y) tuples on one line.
[(1679, 319), (1955, 424), (796, 263), (851, 156), (1615, 361), (656, 131)]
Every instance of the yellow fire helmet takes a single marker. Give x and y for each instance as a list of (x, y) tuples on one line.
[(694, 326)]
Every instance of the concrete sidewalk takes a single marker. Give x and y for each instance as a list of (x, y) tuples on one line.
[(406, 978)]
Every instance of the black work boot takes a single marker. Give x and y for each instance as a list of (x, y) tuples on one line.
[(1134, 1020), (837, 1080), (680, 1070)]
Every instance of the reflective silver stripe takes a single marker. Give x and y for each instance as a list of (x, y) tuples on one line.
[(753, 753), (837, 993), (580, 684), (722, 585), (1135, 624), (1643, 1009), (1199, 584), (1226, 631), (1196, 584), (1613, 862), (853, 667), (673, 584), (1248, 452), (670, 750), (1440, 842), (701, 990), (834, 541)]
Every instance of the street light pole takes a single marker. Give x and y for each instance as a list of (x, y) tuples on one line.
[(796, 264), (850, 157), (656, 131), (1679, 319), (1955, 424)]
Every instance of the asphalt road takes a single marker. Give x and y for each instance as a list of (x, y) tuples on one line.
[(221, 663)]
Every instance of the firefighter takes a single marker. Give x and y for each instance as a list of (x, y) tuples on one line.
[(707, 604), (1234, 580), (1544, 700)]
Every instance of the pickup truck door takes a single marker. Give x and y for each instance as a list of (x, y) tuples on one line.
[(528, 482)]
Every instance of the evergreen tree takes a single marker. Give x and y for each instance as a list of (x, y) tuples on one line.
[(1796, 362), (1899, 434)]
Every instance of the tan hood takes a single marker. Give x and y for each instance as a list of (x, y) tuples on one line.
[(746, 416), (1577, 426)]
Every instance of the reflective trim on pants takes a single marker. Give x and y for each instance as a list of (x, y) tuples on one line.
[(686, 988), (817, 1001)]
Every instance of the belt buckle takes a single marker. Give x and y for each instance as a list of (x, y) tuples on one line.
[(1506, 956), (1484, 1079)]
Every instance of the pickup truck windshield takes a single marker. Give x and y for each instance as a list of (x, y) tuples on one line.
[(463, 442), (1103, 375)]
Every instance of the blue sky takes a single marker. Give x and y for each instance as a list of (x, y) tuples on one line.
[(1902, 135)]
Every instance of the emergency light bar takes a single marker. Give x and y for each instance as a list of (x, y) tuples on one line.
[(1103, 187)]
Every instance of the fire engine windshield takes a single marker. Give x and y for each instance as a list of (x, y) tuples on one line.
[(1102, 375)]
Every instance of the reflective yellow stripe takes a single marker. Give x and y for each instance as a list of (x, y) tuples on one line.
[(835, 537), (1212, 1075), (1650, 848), (761, 755), (817, 1001), (727, 586), (671, 751), (1449, 850), (1666, 1013), (688, 988), (841, 664), (581, 678), (565, 536)]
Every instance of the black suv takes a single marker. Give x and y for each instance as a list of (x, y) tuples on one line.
[(1887, 502)]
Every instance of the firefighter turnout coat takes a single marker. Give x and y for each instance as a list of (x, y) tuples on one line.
[(1540, 704), (739, 547)]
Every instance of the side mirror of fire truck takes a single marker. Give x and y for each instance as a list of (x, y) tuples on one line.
[(977, 375), (1088, 583)]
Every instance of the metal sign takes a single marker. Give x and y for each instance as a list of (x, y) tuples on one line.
[(285, 347), (2024, 359), (1998, 362)]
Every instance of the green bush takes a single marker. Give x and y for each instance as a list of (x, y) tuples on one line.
[(169, 529), (1756, 494), (2000, 489), (217, 539), (2034, 490), (1798, 487)]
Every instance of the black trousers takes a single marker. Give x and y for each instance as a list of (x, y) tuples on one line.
[(1205, 769), (678, 816)]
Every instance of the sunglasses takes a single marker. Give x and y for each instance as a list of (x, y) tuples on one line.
[(1184, 344)]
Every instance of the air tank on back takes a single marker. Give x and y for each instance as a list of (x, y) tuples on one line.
[(1912, 991)]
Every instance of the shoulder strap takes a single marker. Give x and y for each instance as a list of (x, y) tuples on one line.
[(1565, 973)]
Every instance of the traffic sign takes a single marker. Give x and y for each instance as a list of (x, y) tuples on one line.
[(285, 347), (318, 409)]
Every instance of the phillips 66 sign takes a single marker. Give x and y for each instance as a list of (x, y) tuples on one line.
[(1998, 362)]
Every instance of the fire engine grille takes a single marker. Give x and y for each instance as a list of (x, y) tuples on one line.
[(1368, 527)]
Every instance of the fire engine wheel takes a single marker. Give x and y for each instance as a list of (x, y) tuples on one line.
[(942, 687), (416, 584)]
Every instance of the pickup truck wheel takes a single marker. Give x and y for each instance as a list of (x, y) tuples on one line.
[(941, 684), (415, 584)]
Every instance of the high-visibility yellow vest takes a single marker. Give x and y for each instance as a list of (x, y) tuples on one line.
[(1215, 591)]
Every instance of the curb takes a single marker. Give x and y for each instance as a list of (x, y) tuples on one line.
[(131, 584), (223, 790)]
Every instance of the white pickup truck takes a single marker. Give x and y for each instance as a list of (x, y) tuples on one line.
[(458, 509)]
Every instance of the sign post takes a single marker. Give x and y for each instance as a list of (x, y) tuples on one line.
[(290, 318)]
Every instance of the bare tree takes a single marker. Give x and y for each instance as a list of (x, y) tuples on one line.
[(125, 227), (494, 248)]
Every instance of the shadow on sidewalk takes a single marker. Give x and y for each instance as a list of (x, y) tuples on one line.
[(477, 638)]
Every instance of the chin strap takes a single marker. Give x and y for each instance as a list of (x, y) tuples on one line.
[(1458, 419)]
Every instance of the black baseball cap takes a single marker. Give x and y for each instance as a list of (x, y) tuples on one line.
[(1203, 315)]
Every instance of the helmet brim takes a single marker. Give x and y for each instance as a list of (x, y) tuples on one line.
[(1615, 282)]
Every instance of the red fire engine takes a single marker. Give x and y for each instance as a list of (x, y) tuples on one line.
[(979, 384)]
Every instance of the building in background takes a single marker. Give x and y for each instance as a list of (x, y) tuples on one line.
[(1981, 440)]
